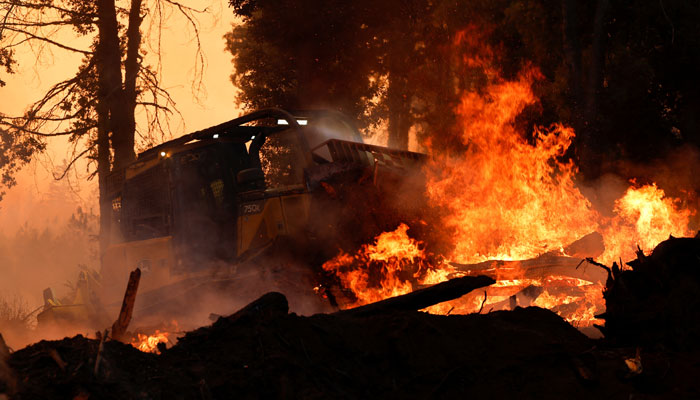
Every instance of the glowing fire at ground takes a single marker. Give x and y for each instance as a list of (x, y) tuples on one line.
[(379, 270), (508, 197), (149, 343), (395, 265)]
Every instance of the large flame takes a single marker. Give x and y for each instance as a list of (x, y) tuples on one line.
[(508, 196), (395, 264)]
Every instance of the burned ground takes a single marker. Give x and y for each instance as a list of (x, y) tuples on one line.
[(263, 351)]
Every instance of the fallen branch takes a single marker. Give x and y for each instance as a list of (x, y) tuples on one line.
[(269, 306), (53, 353), (422, 298), (539, 267), (597, 264), (486, 296)]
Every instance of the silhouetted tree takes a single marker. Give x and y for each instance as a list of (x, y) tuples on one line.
[(359, 57), (96, 107), (305, 54)]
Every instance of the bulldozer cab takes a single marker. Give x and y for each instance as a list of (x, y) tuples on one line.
[(210, 199)]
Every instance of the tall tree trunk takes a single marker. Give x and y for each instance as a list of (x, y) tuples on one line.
[(572, 49), (103, 167), (597, 67), (120, 126), (572, 54), (109, 89), (116, 101), (590, 147), (131, 71), (443, 119), (399, 111)]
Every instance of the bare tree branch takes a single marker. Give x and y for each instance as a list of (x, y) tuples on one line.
[(25, 129), (69, 107), (70, 164), (200, 62), (39, 6), (47, 40), (43, 24)]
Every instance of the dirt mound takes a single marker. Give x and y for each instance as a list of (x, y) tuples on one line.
[(398, 354), (657, 301), (262, 351)]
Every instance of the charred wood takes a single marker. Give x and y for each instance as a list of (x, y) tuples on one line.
[(122, 323), (270, 306), (422, 298)]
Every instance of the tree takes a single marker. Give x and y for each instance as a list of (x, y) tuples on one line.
[(622, 74), (346, 55), (18, 152), (96, 107), (304, 54), (390, 60)]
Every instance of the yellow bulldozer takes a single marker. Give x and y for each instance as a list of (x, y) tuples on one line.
[(202, 213)]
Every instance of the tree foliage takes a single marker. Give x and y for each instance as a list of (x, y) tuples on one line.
[(304, 54), (623, 74)]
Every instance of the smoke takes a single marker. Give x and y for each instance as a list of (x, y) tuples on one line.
[(199, 303), (34, 258)]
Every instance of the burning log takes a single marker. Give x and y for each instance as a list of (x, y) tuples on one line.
[(538, 267), (422, 298), (522, 298), (122, 323)]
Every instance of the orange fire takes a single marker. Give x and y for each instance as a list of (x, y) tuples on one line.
[(508, 196), (149, 343), (645, 217), (406, 266), (377, 271)]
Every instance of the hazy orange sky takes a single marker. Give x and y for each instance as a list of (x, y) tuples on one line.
[(37, 199)]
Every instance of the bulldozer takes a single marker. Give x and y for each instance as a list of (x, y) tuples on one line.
[(202, 213)]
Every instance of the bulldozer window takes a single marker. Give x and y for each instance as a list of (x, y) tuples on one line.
[(282, 161), (205, 202), (204, 182), (145, 211)]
